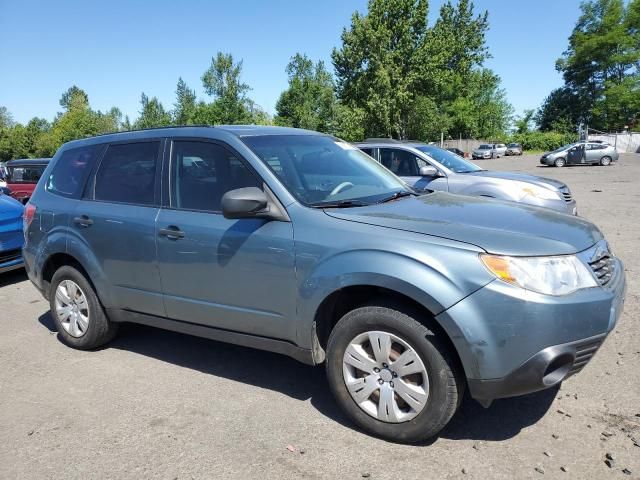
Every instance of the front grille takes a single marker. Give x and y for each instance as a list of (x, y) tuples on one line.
[(584, 353), (10, 255), (603, 268), (566, 194)]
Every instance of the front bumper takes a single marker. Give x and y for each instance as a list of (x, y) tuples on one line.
[(481, 157), (512, 341)]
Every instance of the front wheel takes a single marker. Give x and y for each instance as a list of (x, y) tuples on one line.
[(605, 161), (392, 375), (559, 162)]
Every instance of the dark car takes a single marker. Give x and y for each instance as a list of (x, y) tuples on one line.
[(11, 236), (23, 175), (297, 242)]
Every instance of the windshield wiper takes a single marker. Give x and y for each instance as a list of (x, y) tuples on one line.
[(396, 195), (340, 204), (473, 171)]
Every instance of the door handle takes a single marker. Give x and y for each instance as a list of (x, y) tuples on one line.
[(83, 221), (171, 232)]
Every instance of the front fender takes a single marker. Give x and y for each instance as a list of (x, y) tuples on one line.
[(430, 284)]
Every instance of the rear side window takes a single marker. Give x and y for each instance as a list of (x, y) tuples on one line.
[(69, 174), (127, 173)]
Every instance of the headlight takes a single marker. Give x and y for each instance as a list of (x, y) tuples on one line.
[(558, 275)]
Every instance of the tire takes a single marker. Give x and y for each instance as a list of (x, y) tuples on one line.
[(559, 162), (605, 161), (91, 328), (444, 382)]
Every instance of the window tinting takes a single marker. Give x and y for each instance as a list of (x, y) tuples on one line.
[(26, 174), (68, 174), (401, 162), (203, 172), (368, 151), (127, 173)]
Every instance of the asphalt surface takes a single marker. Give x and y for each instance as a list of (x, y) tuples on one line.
[(156, 404)]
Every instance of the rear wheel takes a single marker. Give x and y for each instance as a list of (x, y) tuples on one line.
[(559, 162), (605, 161), (77, 312), (392, 375)]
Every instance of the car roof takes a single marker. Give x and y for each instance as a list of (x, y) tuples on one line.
[(24, 162), (206, 131), (389, 142)]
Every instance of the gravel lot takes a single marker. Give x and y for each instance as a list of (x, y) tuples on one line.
[(156, 404)]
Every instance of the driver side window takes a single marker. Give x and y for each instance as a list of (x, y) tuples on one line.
[(202, 172), (401, 162)]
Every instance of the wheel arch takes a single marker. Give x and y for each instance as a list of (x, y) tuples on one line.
[(345, 299)]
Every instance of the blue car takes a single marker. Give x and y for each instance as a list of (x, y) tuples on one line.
[(11, 237)]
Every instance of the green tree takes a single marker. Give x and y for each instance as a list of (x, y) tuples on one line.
[(602, 62), (222, 81), (524, 122), (414, 81), (185, 106), (309, 101), (152, 114), (560, 111), (378, 67), (78, 121), (74, 97), (6, 119)]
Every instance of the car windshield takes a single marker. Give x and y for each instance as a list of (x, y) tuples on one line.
[(25, 174), (513, 145), (325, 171), (564, 147), (485, 147), (449, 160)]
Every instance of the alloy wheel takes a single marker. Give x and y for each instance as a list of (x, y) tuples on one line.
[(72, 308), (385, 376)]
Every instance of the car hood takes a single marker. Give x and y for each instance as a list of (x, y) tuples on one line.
[(497, 226), (521, 177), (481, 151)]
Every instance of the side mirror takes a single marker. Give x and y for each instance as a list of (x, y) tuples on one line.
[(250, 202), (429, 171)]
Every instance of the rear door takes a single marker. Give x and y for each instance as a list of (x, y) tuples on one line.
[(116, 221), (236, 275), (593, 152)]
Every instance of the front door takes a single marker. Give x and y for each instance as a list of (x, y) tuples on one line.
[(407, 165), (576, 154), (235, 275)]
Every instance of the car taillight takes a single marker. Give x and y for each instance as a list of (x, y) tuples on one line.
[(27, 216)]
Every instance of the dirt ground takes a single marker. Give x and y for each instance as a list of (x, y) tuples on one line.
[(156, 404)]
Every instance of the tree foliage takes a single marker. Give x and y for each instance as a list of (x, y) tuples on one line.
[(601, 68), (152, 113), (411, 80), (309, 101)]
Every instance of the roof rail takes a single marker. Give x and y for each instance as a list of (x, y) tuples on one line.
[(150, 128), (381, 140)]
